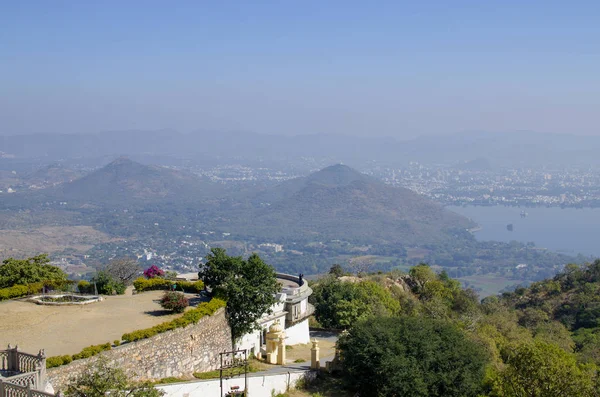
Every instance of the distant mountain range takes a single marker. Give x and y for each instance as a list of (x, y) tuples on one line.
[(500, 149), (334, 203)]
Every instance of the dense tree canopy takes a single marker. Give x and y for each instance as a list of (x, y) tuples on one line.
[(541, 369), (31, 270), (540, 341), (410, 356), (248, 286), (340, 304), (336, 270)]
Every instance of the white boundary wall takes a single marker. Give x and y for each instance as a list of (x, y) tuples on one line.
[(298, 333), (258, 385)]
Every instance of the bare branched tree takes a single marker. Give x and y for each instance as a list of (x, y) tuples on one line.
[(360, 266), (124, 269)]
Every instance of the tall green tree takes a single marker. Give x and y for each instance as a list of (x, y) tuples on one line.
[(248, 286), (107, 284), (31, 270), (340, 304), (336, 270), (411, 356)]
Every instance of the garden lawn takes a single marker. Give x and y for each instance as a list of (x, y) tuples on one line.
[(68, 329)]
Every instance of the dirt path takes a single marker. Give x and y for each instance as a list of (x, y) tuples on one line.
[(68, 329), (301, 353)]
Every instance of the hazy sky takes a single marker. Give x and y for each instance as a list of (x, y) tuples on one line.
[(291, 67)]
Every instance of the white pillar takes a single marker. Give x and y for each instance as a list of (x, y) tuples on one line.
[(314, 355)]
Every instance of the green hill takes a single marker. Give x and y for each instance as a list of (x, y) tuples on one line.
[(125, 182), (538, 341), (341, 203), (571, 298)]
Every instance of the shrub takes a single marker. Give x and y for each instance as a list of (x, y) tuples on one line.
[(119, 288), (57, 361), (190, 317), (227, 372), (101, 378), (35, 288), (174, 301), (169, 379), (170, 275), (19, 290), (85, 287), (193, 287), (107, 285), (13, 292), (91, 351), (153, 271), (142, 284), (117, 342)]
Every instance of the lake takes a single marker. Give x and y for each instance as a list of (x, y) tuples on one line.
[(569, 230)]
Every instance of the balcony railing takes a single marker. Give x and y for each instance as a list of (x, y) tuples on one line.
[(22, 374)]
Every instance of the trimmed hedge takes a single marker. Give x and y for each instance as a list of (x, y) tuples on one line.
[(149, 284), (19, 290), (85, 287), (57, 361), (91, 351), (190, 317), (13, 292)]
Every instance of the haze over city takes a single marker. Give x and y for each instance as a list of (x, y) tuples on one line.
[(299, 199), (399, 69)]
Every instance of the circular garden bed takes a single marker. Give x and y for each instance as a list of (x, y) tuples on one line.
[(65, 299)]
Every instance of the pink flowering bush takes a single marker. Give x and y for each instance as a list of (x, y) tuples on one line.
[(174, 301), (153, 271)]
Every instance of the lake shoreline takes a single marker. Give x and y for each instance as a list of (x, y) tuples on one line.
[(563, 230)]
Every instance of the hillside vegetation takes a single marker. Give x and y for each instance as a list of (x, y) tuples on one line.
[(538, 341)]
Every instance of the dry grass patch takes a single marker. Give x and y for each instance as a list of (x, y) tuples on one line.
[(302, 352)]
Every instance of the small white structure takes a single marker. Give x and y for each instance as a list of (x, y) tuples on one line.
[(292, 309)]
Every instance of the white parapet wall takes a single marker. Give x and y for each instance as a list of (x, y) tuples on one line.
[(249, 342), (298, 333), (258, 385)]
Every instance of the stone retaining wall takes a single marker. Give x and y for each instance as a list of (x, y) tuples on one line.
[(180, 352)]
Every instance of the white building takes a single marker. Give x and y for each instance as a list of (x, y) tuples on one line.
[(292, 310)]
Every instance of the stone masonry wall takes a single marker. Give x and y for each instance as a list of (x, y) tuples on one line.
[(179, 352)]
